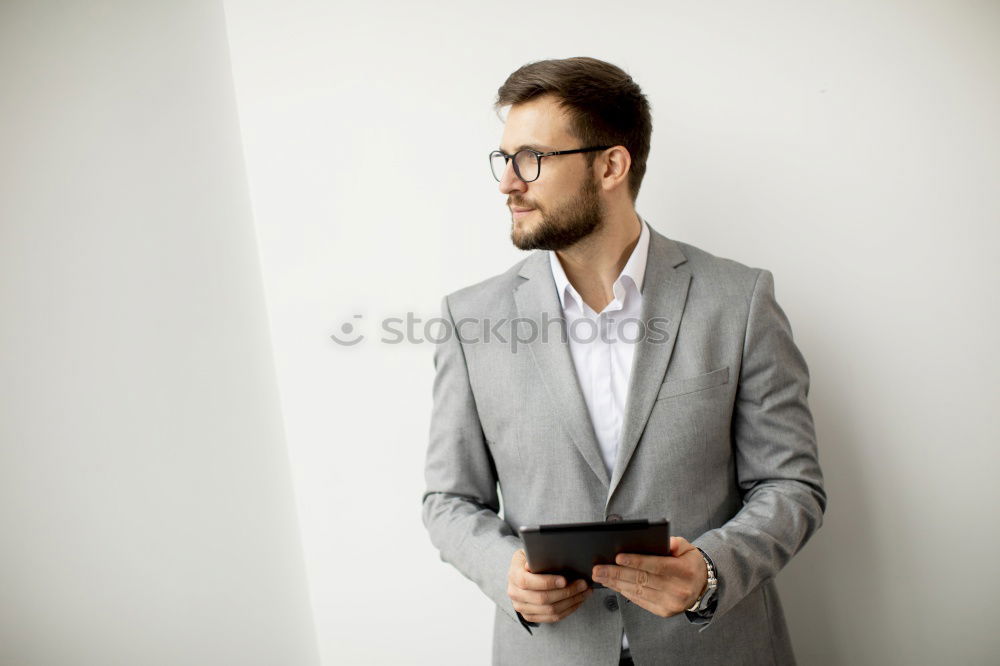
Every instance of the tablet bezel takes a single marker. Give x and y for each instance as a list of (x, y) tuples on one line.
[(572, 549)]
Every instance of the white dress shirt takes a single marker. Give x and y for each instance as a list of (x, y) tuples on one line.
[(602, 346)]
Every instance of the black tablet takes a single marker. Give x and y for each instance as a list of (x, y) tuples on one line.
[(572, 549)]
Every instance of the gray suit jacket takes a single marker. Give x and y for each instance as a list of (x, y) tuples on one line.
[(717, 437)]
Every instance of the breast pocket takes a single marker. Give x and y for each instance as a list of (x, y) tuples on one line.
[(676, 387)]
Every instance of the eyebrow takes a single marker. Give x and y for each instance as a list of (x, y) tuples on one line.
[(541, 149)]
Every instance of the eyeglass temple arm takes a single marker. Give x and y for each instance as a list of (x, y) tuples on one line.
[(575, 150)]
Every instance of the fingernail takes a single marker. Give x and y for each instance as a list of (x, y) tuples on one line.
[(561, 582)]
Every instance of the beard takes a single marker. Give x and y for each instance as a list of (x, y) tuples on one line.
[(560, 228)]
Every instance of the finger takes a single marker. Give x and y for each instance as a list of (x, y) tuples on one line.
[(656, 600), (549, 613), (532, 581), (654, 564), (546, 597), (521, 560), (551, 618), (553, 607), (523, 577), (664, 601), (631, 590), (638, 577), (571, 609), (534, 613), (649, 604)]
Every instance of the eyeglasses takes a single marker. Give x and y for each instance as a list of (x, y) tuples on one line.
[(528, 162)]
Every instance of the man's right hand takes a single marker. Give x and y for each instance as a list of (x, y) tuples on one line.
[(542, 597)]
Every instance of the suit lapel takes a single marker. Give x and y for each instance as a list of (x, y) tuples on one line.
[(538, 301), (664, 294)]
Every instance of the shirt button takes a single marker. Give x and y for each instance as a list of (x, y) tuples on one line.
[(614, 517), (611, 603)]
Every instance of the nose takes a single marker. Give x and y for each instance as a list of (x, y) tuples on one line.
[(510, 182)]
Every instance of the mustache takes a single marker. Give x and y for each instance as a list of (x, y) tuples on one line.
[(520, 203)]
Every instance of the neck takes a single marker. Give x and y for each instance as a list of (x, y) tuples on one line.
[(593, 264)]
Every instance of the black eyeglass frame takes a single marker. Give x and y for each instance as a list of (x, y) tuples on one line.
[(538, 159)]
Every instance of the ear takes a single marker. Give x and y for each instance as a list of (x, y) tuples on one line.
[(613, 168)]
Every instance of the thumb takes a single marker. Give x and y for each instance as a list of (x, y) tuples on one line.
[(679, 546), (524, 560)]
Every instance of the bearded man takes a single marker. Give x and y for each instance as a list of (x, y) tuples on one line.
[(673, 390)]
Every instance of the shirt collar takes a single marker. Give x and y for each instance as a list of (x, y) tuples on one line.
[(635, 268)]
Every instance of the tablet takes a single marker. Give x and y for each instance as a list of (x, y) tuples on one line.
[(572, 549)]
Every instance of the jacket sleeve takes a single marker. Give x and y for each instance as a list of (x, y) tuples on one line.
[(777, 465), (461, 502)]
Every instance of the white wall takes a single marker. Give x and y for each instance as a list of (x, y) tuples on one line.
[(851, 148), (146, 509)]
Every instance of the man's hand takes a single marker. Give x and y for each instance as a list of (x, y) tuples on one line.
[(542, 597), (663, 585)]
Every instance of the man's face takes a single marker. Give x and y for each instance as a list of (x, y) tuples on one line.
[(562, 206)]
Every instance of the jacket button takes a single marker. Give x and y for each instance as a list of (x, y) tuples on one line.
[(611, 603), (613, 518)]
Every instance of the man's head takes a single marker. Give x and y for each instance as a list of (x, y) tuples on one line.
[(563, 105)]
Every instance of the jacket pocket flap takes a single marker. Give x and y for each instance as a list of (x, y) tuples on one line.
[(675, 387)]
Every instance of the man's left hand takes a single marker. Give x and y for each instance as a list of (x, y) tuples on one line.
[(662, 584)]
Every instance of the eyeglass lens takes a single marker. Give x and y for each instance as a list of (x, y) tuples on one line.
[(525, 165)]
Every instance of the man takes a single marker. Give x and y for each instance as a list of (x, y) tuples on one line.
[(669, 387)]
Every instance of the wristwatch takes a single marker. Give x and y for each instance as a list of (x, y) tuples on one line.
[(702, 602)]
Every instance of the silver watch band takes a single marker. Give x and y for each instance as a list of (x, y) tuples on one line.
[(710, 586)]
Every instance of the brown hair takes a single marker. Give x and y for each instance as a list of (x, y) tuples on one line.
[(606, 107)]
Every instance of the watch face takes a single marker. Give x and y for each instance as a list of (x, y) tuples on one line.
[(706, 599)]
